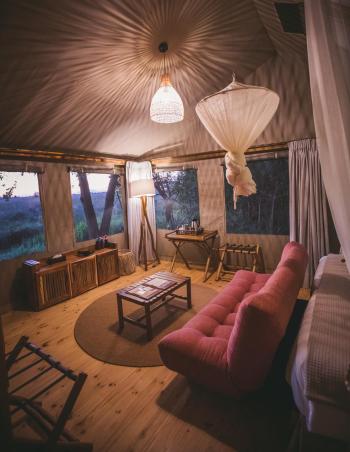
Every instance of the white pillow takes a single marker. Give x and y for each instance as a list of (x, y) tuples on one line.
[(319, 273)]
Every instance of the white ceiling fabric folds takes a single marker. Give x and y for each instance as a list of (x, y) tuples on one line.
[(235, 117)]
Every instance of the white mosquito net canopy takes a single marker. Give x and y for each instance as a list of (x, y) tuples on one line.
[(235, 117)]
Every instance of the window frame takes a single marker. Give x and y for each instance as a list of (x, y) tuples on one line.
[(169, 169), (38, 171), (93, 170), (273, 155)]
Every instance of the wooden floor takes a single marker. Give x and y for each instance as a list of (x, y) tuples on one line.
[(149, 409)]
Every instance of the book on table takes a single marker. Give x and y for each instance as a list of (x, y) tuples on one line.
[(144, 291), (160, 283)]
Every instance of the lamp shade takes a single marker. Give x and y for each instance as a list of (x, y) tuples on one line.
[(141, 187), (166, 106)]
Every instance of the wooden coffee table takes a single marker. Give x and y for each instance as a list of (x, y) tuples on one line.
[(154, 303)]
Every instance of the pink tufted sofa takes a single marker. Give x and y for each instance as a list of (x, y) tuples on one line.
[(230, 344)]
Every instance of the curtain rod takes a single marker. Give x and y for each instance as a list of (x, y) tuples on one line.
[(269, 155), (175, 168), (21, 168), (209, 155), (93, 169)]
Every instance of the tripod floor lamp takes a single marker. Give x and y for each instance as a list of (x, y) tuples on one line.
[(143, 188)]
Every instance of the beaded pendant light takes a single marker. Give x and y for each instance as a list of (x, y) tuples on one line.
[(166, 106)]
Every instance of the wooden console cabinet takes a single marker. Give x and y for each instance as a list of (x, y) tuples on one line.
[(47, 285)]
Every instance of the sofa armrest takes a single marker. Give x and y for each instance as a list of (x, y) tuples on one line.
[(198, 357), (183, 347)]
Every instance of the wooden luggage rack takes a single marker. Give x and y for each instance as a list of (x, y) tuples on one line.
[(244, 257), (27, 364)]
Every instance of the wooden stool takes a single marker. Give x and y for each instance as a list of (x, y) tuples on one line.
[(248, 257), (126, 262)]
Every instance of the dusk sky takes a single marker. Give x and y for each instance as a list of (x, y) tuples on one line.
[(98, 183), (27, 183)]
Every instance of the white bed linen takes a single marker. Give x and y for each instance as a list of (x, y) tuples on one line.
[(321, 418), (319, 272)]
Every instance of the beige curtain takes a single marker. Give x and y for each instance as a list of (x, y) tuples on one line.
[(136, 171), (328, 44), (307, 203)]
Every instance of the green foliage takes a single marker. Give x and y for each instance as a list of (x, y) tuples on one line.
[(177, 200), (81, 231), (27, 247), (98, 200), (21, 227), (266, 212), (9, 191), (117, 224)]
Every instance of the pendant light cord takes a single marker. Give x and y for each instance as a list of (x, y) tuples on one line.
[(163, 48)]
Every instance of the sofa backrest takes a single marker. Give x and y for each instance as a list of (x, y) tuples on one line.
[(262, 320)]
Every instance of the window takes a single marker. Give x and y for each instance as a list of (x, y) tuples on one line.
[(21, 218), (97, 205), (266, 212), (177, 200)]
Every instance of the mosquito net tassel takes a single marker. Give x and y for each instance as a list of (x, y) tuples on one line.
[(234, 199)]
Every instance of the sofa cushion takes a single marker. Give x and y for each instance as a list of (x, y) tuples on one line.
[(223, 308), (262, 320)]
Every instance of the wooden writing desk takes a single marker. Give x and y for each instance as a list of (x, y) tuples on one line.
[(204, 241)]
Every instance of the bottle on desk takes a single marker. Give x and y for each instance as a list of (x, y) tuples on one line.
[(194, 224)]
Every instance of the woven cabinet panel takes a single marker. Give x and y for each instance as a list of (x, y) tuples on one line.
[(83, 275), (107, 267), (53, 287)]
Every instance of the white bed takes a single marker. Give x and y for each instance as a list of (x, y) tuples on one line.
[(323, 416)]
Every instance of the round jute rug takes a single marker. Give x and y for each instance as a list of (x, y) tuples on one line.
[(96, 328)]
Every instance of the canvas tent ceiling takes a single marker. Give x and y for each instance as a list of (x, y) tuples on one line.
[(81, 75)]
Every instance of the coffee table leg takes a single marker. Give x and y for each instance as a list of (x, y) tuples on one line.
[(120, 313), (148, 322), (189, 294)]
